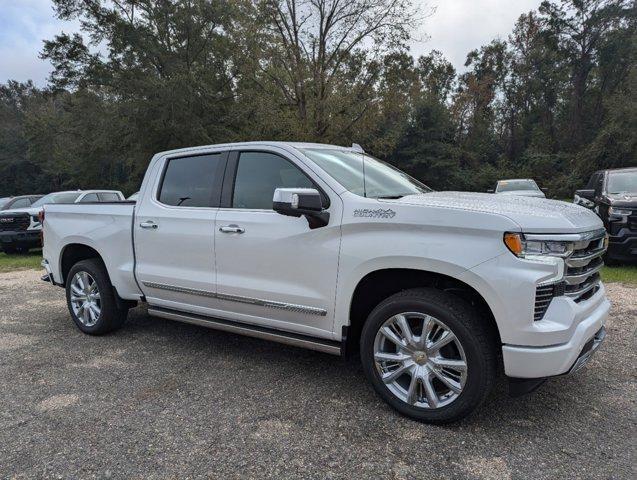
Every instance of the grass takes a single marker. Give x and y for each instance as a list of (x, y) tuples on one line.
[(20, 261), (624, 274)]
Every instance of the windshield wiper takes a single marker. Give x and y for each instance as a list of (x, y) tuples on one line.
[(390, 197)]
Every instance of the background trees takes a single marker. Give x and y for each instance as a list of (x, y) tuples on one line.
[(554, 101)]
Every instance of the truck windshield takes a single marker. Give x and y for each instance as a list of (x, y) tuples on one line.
[(622, 182), (64, 197), (372, 178), (513, 185)]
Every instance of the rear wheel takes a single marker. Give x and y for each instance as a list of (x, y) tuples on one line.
[(428, 355), (91, 298)]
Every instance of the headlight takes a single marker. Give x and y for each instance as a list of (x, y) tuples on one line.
[(522, 247), (622, 212), (35, 219)]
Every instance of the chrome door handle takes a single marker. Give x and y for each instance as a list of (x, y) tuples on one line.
[(231, 229), (149, 224)]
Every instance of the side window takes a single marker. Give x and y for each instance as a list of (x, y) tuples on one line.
[(90, 197), (592, 181), (109, 197), (192, 181), (259, 174), (21, 203)]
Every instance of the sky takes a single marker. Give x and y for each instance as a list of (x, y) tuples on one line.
[(455, 28)]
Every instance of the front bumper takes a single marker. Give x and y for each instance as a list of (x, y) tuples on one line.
[(20, 239), (567, 357), (623, 246)]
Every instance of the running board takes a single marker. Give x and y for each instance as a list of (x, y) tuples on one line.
[(294, 339)]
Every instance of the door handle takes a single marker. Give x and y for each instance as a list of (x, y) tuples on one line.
[(231, 229), (149, 224)]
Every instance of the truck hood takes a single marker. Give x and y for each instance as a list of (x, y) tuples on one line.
[(531, 214), (622, 200)]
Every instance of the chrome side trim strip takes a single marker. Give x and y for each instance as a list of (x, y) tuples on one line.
[(291, 307), (325, 346), (173, 288)]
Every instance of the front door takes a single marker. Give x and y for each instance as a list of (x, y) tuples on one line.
[(274, 270), (174, 232)]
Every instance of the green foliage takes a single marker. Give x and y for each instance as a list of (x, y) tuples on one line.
[(555, 101), (29, 260), (626, 274)]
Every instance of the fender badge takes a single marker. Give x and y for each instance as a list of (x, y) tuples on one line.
[(378, 213)]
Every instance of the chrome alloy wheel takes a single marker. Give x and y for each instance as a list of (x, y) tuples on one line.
[(85, 299), (420, 360)]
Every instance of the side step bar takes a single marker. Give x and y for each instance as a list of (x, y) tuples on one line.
[(294, 339)]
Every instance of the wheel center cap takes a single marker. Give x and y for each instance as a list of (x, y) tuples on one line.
[(420, 358)]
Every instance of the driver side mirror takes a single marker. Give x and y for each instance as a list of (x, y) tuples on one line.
[(585, 198), (297, 202)]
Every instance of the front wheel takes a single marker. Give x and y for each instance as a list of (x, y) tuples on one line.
[(428, 355), (91, 298)]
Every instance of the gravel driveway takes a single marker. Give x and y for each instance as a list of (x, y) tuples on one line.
[(160, 399)]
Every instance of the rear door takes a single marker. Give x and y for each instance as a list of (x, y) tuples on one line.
[(174, 231), (272, 269)]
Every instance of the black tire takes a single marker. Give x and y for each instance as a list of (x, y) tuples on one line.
[(112, 315), (472, 332)]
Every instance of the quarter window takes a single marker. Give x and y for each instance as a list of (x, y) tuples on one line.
[(259, 174), (192, 181), (109, 197), (89, 197)]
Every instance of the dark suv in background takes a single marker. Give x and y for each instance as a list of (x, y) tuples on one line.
[(613, 195)]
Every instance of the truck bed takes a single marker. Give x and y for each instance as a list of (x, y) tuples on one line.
[(105, 227)]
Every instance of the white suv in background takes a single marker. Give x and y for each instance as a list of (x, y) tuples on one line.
[(20, 227)]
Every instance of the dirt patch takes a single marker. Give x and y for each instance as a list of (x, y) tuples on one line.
[(494, 468), (57, 402), (10, 341)]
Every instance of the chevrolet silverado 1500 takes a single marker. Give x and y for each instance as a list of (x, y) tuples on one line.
[(328, 248)]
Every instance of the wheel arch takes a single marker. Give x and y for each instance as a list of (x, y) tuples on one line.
[(73, 253), (377, 285)]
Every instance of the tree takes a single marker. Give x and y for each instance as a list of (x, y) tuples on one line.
[(319, 58)]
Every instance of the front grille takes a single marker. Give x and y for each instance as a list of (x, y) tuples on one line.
[(14, 223), (581, 278), (632, 221)]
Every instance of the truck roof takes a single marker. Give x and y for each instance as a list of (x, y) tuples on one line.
[(262, 143)]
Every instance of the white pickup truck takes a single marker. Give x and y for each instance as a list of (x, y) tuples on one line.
[(328, 248)]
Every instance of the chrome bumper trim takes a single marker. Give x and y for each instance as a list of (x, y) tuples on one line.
[(589, 350), (49, 273)]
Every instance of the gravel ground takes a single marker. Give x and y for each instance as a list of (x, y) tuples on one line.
[(167, 400)]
